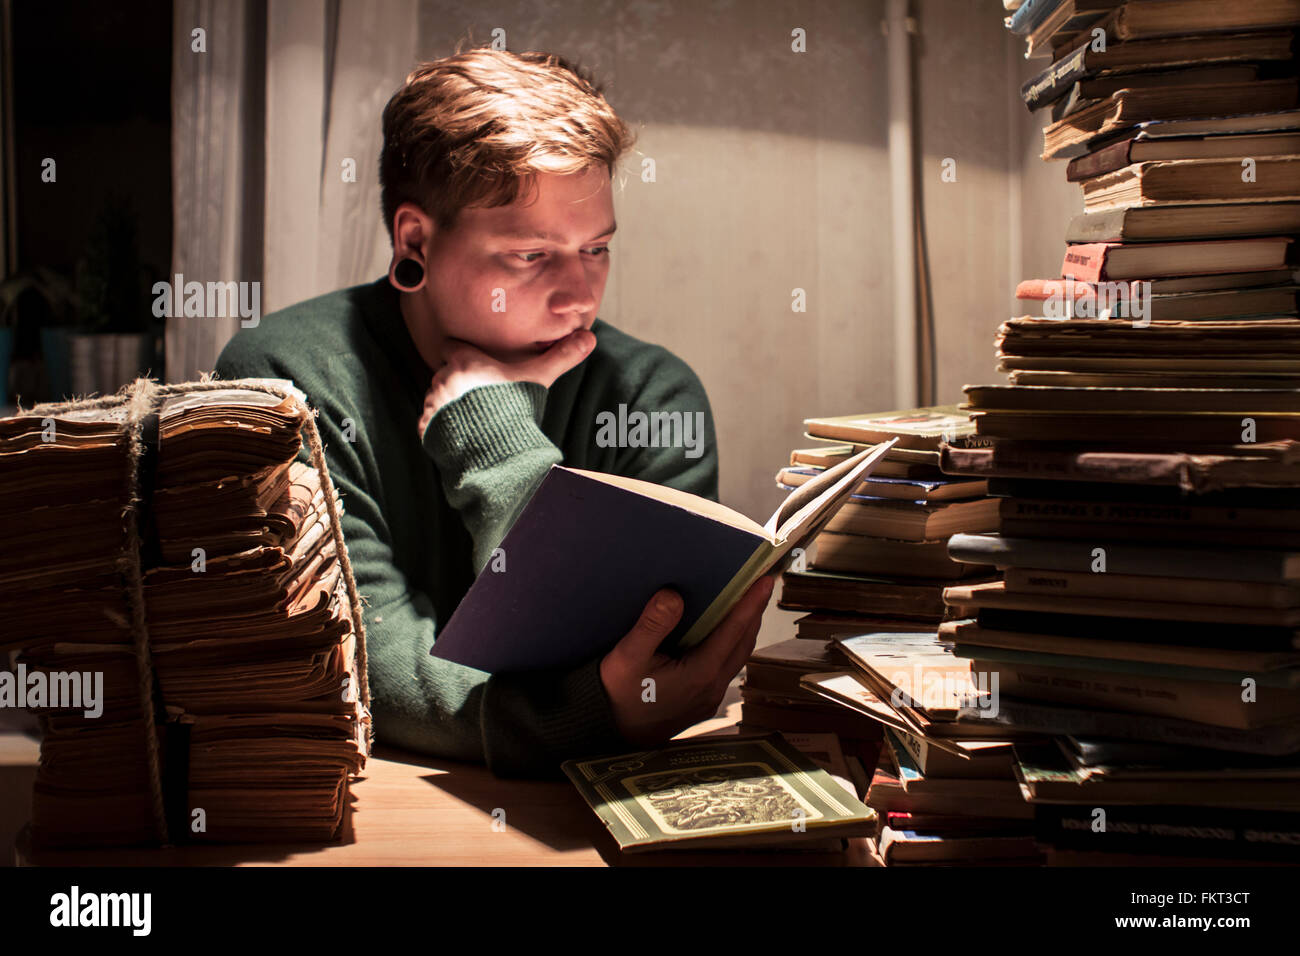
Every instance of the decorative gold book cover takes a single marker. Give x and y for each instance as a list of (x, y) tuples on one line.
[(718, 792)]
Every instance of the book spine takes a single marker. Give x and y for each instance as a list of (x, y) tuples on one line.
[(973, 633), (1037, 289), (1142, 630), (773, 680), (769, 717), (1135, 587), (1026, 715), (1100, 668), (1165, 534), (1090, 227), (1105, 160), (1016, 460), (1056, 80), (1148, 513), (924, 605), (1086, 261), (866, 554), (916, 748), (1031, 15), (1198, 16), (1217, 704), (1120, 557), (1208, 831)]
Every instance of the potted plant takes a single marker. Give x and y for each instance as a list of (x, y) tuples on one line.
[(41, 300), (114, 341)]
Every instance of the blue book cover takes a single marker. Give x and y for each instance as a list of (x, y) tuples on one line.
[(1030, 15), (583, 557)]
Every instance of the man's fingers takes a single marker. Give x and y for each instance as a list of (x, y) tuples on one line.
[(559, 358), (660, 616), (742, 651), (727, 636)]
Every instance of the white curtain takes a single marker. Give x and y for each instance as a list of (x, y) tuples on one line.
[(261, 134), (217, 119)]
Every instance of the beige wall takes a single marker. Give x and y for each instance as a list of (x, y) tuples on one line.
[(772, 174)]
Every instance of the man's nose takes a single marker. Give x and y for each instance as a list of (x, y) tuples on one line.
[(573, 292)]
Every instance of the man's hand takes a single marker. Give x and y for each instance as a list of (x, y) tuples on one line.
[(468, 366), (686, 690)]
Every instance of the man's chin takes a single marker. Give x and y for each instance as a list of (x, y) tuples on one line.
[(515, 356)]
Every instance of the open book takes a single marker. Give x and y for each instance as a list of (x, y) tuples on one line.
[(588, 550)]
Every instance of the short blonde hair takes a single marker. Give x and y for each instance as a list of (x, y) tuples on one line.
[(470, 129)]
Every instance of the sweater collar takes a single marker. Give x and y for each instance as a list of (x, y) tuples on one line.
[(384, 315)]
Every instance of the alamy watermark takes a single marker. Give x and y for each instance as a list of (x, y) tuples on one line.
[(209, 300), (77, 909), (1099, 300), (935, 690), (53, 690), (638, 429)]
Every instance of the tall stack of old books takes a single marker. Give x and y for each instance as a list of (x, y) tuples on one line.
[(868, 649), (1147, 445), (238, 646)]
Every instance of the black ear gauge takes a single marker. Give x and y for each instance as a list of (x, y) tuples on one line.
[(407, 274)]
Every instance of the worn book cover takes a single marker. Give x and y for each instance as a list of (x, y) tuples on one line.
[(995, 594), (1046, 776), (915, 428), (711, 792), (1127, 557)]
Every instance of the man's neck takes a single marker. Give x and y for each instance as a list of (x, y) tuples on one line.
[(423, 328)]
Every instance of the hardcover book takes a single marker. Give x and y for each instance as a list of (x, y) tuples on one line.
[(1181, 181), (1087, 60), (916, 428), (1141, 148), (583, 557), (1083, 130), (1190, 221)]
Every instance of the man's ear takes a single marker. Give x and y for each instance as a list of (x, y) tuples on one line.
[(412, 230)]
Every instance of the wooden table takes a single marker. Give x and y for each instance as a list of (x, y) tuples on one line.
[(412, 810)]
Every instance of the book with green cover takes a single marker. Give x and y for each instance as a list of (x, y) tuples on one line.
[(718, 792)]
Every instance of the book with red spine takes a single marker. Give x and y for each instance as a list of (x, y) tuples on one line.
[(1104, 261)]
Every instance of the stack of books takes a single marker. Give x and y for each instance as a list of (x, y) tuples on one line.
[(1145, 450), (774, 696), (873, 583), (250, 668), (944, 785), (1180, 123), (881, 562)]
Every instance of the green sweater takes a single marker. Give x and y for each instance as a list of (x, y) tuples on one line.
[(423, 514)]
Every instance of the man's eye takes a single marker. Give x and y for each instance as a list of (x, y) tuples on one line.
[(595, 252)]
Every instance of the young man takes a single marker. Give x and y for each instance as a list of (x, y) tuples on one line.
[(447, 389)]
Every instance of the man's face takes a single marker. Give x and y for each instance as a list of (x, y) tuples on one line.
[(513, 279)]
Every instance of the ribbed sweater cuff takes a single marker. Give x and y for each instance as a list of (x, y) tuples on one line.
[(487, 424), (569, 716)]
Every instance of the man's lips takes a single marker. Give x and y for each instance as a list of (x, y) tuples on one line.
[(543, 346)]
